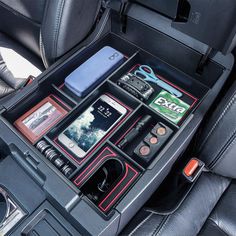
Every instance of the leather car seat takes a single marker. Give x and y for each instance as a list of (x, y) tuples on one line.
[(210, 206), (34, 34)]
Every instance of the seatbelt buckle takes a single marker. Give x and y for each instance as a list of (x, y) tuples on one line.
[(30, 79), (193, 169)]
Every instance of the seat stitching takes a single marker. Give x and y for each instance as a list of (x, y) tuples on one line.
[(41, 37), (231, 102), (224, 147), (42, 50), (220, 156), (161, 227), (101, 28), (156, 212), (140, 224), (58, 24)]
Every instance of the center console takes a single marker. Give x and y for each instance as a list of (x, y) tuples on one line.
[(97, 157)]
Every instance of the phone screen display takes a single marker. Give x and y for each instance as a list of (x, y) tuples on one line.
[(91, 126)]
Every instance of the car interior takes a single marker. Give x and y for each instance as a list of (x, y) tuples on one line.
[(117, 117)]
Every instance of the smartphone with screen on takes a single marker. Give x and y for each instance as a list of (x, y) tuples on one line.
[(92, 126)]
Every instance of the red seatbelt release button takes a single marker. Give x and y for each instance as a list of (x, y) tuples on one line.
[(193, 169)]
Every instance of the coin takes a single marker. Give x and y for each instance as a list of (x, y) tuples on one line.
[(144, 150), (153, 140), (161, 131)]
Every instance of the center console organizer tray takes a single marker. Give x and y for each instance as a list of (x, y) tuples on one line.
[(53, 85)]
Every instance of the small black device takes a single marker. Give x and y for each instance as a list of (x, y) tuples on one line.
[(141, 125), (136, 86)]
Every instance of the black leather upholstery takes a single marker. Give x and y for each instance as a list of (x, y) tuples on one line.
[(209, 208), (65, 24), (21, 25), (189, 218), (218, 146), (223, 219), (211, 193), (49, 28), (46, 28), (25, 8)]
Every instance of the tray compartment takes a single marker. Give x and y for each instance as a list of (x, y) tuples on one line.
[(132, 145), (33, 99), (57, 160), (109, 89), (192, 91), (182, 82), (106, 179), (111, 40)]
